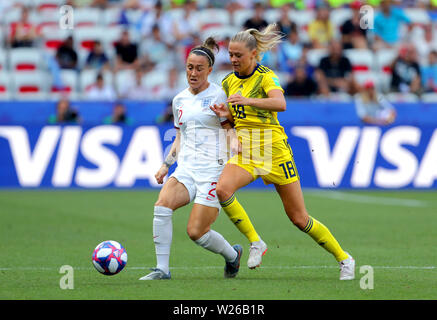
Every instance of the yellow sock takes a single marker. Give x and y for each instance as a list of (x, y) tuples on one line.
[(239, 218), (323, 237)]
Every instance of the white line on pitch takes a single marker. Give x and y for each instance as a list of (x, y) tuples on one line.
[(351, 197), (219, 267)]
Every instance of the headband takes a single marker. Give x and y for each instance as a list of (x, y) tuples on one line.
[(204, 52)]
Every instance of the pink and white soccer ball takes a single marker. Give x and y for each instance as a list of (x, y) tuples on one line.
[(109, 257)]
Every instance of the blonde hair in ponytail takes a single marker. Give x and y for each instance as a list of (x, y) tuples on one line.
[(262, 41)]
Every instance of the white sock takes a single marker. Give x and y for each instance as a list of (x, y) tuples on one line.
[(214, 241), (162, 236)]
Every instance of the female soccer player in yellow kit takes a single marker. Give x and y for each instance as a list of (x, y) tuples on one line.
[(254, 98)]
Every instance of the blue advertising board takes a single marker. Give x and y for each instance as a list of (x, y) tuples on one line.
[(109, 156)]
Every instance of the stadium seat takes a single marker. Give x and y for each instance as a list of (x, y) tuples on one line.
[(47, 5), (383, 60), (70, 80), (111, 16), (14, 15), (88, 77), (134, 16), (315, 55), (182, 80), (362, 60), (217, 76), (241, 16), (48, 19), (339, 16), (155, 79), (5, 85), (213, 17), (25, 59), (272, 15), (220, 32), (29, 85), (53, 37), (363, 76), (176, 13), (3, 34), (123, 79), (301, 17), (340, 97), (87, 17), (418, 15), (27, 3), (429, 97), (3, 60), (402, 97)]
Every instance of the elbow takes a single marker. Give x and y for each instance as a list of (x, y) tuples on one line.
[(282, 104), (282, 107)]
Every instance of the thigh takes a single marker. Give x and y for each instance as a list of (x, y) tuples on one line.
[(173, 195), (232, 178)]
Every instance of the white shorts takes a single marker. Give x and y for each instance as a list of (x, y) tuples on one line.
[(200, 185)]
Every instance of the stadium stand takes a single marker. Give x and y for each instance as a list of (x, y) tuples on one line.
[(94, 23), (5, 86)]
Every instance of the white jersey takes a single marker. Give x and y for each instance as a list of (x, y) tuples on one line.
[(203, 142)]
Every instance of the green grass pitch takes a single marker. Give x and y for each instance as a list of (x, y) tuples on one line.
[(393, 232)]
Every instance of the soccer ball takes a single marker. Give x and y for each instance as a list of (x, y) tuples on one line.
[(109, 257)]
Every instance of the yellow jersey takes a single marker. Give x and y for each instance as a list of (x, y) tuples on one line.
[(247, 118), (265, 150)]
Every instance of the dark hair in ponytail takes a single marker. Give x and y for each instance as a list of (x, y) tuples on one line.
[(207, 49)]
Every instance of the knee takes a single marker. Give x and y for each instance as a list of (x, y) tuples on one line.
[(299, 219), (223, 192), (194, 232), (162, 202)]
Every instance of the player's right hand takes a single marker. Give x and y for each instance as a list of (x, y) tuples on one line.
[(160, 175)]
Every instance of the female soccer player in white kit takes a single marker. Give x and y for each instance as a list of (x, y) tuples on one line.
[(200, 149)]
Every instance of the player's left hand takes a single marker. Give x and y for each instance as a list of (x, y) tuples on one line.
[(221, 110), (238, 99)]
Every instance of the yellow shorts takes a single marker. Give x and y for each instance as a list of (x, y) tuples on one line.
[(275, 165)]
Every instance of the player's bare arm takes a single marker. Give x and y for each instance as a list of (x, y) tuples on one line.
[(171, 158), (222, 111), (274, 102), (231, 134)]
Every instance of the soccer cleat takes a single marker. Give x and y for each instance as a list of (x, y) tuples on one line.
[(232, 268), (157, 274), (256, 252), (347, 268)]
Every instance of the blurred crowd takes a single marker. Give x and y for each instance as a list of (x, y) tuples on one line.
[(135, 49)]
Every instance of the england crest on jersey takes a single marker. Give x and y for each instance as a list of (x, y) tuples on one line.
[(205, 104)]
